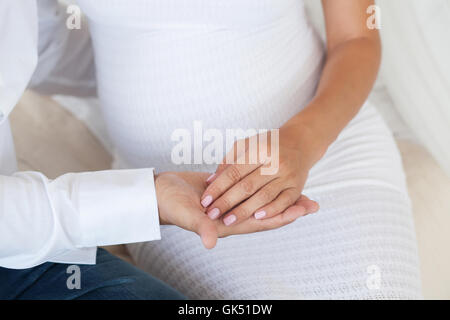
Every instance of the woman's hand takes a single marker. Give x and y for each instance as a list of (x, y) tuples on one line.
[(264, 189), (179, 194), (302, 207)]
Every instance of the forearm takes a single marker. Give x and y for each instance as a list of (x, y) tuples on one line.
[(347, 79)]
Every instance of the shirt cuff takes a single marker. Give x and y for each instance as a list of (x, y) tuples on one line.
[(117, 207)]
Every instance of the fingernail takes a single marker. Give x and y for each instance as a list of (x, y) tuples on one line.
[(206, 201), (260, 214), (214, 213), (229, 220), (211, 177)]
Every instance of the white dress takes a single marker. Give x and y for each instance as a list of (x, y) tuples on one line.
[(163, 64)]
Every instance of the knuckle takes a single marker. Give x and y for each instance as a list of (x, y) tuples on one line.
[(271, 209), (247, 187), (291, 176), (260, 227), (287, 204), (289, 199), (242, 212), (224, 203), (266, 195), (269, 226), (274, 223), (288, 221), (233, 174), (283, 162), (214, 189)]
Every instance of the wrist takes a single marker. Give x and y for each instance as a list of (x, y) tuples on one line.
[(304, 138), (159, 190)]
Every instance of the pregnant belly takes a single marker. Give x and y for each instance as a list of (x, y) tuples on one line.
[(154, 83)]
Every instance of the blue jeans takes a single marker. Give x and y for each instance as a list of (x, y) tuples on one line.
[(110, 278)]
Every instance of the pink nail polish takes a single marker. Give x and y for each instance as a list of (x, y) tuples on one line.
[(207, 201), (229, 220), (214, 213), (260, 214), (211, 177)]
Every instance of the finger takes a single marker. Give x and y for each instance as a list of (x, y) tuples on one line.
[(207, 231), (219, 170), (253, 225), (311, 206), (235, 153), (228, 178), (265, 195), (214, 175), (283, 201), (211, 178), (241, 191), (288, 216)]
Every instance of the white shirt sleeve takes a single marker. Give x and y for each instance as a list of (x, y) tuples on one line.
[(65, 219)]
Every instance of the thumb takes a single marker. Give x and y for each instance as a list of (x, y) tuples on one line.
[(207, 230), (202, 225), (192, 218)]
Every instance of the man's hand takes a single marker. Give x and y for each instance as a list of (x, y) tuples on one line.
[(179, 195)]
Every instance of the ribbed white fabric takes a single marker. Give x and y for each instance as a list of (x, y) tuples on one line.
[(165, 64), (252, 64)]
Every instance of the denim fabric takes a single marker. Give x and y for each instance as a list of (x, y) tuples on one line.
[(110, 278)]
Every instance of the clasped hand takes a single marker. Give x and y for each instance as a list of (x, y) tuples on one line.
[(179, 204), (239, 197)]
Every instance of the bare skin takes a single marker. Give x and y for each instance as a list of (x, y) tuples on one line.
[(238, 193), (179, 194)]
